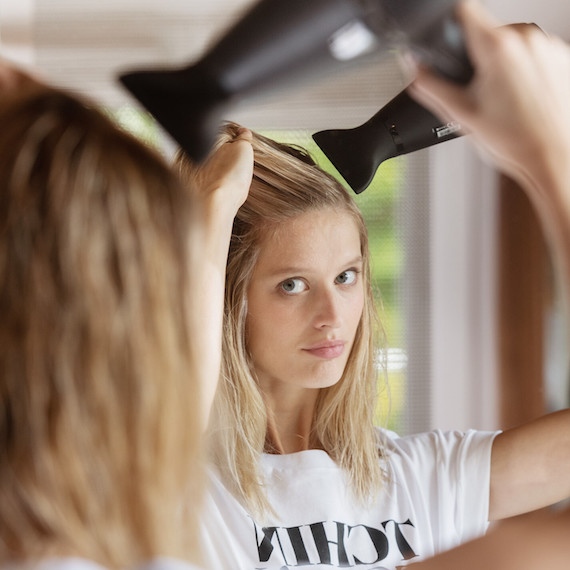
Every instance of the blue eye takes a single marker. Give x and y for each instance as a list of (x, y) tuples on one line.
[(346, 277), (292, 286)]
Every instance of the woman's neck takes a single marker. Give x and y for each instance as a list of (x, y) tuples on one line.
[(290, 422)]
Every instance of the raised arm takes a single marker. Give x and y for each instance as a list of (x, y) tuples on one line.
[(517, 111), (219, 187)]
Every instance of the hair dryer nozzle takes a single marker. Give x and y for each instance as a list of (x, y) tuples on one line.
[(186, 102), (402, 126), (357, 153)]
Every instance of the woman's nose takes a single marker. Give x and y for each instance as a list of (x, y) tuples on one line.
[(327, 309)]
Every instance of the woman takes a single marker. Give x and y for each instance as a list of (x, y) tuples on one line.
[(301, 478), (99, 381)]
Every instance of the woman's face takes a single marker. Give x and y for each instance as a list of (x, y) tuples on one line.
[(305, 301)]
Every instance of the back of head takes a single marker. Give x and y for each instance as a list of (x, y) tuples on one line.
[(94, 347)]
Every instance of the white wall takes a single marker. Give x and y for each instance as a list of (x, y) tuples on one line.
[(463, 247)]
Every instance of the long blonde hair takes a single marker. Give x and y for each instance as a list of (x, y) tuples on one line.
[(98, 424), (287, 183)]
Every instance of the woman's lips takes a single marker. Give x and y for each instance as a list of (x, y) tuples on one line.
[(327, 350)]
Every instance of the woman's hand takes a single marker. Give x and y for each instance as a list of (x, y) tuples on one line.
[(222, 182), (516, 106), (218, 188), (517, 109)]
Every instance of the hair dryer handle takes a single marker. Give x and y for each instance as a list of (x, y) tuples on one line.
[(443, 49)]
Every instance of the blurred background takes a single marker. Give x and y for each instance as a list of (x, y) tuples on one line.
[(464, 284)]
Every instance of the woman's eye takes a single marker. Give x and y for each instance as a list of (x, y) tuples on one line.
[(346, 277), (290, 286)]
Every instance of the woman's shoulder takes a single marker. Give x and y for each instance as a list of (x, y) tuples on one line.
[(434, 443)]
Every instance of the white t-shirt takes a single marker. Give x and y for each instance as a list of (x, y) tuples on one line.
[(437, 496)]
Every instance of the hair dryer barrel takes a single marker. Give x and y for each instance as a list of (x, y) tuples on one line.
[(274, 41), (402, 126)]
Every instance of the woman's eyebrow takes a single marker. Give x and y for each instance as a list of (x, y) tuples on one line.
[(293, 270), (290, 270), (356, 261)]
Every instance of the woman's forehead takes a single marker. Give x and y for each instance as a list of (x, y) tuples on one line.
[(310, 237)]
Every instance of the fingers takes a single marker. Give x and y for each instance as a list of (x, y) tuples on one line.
[(484, 35), (504, 107), (493, 50), (479, 28), (244, 135), (472, 14), (524, 28), (228, 167)]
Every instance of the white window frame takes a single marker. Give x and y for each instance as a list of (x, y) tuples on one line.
[(463, 278)]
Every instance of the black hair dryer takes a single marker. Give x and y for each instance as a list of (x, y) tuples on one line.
[(281, 40), (403, 125)]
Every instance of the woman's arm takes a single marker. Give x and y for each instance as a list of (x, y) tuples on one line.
[(530, 466), (219, 187), (517, 109), (528, 544)]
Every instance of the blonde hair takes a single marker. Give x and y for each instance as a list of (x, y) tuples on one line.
[(98, 425), (287, 183)]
